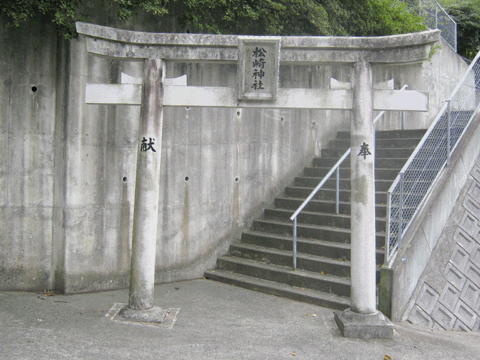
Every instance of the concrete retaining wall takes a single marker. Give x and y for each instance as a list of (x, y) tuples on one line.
[(448, 292), (67, 169)]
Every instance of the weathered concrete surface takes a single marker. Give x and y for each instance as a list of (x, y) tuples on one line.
[(421, 239), (67, 169), (362, 165), (113, 42), (363, 326), (439, 76), (27, 143), (144, 237), (214, 322), (218, 167)]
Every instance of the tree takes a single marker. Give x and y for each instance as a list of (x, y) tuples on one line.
[(249, 17), (467, 16), (302, 17), (64, 13)]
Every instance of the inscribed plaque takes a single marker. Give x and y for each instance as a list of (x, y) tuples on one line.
[(258, 66)]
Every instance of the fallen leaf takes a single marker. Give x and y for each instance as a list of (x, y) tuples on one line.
[(387, 357), (294, 354), (41, 298), (314, 315)]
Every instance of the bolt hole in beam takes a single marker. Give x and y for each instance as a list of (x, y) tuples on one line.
[(237, 179), (238, 113), (34, 89), (187, 178), (124, 179)]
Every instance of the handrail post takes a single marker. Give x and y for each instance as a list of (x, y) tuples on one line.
[(400, 211), (337, 193), (295, 244), (387, 235), (448, 133)]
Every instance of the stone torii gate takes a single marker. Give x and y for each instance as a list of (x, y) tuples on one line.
[(258, 60)]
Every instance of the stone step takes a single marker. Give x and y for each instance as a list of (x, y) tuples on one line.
[(310, 231), (302, 181), (285, 275), (381, 153), (290, 292), (390, 134), (323, 206), (340, 143), (320, 172), (263, 260), (323, 248), (305, 261), (381, 163), (327, 194), (313, 263), (316, 218)]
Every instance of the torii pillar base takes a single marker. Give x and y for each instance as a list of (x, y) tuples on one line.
[(153, 315), (363, 326)]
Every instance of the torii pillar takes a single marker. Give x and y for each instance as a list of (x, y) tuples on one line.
[(142, 271), (362, 319)]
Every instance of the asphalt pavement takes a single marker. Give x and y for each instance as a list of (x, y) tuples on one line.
[(205, 320)]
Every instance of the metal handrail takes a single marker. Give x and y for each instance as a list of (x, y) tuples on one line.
[(404, 221), (336, 168)]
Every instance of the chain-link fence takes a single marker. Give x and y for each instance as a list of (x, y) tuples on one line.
[(416, 179), (435, 17)]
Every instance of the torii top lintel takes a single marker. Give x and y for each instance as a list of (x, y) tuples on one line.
[(125, 44)]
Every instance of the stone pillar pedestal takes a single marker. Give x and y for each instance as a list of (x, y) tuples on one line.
[(142, 272), (363, 326), (362, 320)]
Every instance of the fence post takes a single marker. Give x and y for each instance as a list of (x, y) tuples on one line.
[(389, 219), (448, 133), (400, 211), (295, 244), (337, 193)]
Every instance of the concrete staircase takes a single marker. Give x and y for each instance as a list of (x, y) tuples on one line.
[(263, 259)]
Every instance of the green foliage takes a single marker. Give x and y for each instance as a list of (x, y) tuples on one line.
[(249, 17), (302, 17), (64, 13), (377, 17), (255, 17), (467, 16)]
